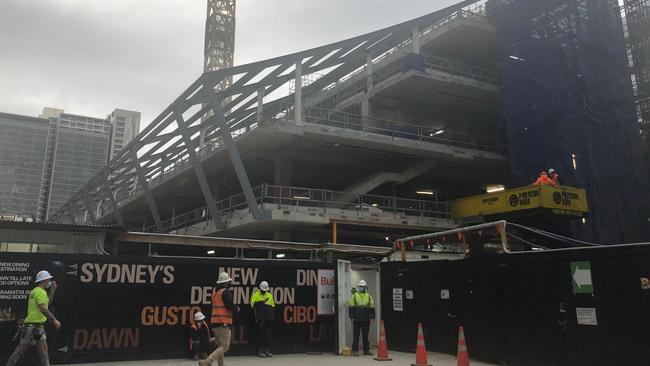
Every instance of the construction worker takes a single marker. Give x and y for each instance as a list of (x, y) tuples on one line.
[(264, 307), (223, 309), (543, 179), (362, 311), (32, 332), (201, 341), (552, 174)]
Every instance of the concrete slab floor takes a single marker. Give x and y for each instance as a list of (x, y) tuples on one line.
[(402, 359)]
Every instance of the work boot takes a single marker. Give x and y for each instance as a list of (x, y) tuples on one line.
[(261, 353), (367, 353), (205, 363), (267, 352)]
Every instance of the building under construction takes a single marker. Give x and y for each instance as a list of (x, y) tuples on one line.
[(371, 138)]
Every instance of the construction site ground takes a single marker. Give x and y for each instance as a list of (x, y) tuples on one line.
[(312, 360)]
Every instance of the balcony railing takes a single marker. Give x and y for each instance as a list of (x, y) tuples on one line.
[(295, 197)]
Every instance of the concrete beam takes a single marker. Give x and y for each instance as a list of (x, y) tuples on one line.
[(213, 242)]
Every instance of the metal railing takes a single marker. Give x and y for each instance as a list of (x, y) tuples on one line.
[(334, 118), (395, 129), (348, 81), (295, 197)]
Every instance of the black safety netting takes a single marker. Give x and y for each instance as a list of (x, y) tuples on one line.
[(569, 106)]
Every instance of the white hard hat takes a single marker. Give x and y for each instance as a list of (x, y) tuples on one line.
[(551, 171), (363, 283), (42, 276), (223, 278), (264, 286), (198, 316)]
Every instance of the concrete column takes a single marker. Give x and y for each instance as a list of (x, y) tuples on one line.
[(416, 40), (298, 102), (260, 103), (366, 111), (202, 137), (283, 172), (366, 108)]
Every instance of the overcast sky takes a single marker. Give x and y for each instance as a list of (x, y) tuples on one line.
[(90, 56)]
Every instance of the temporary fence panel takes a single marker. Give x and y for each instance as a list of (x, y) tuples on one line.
[(585, 306), (141, 308)]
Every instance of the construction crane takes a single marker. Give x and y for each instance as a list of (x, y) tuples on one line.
[(219, 49)]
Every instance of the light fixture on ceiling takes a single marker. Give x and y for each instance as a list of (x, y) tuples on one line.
[(280, 255), (425, 192), (211, 252), (495, 188)]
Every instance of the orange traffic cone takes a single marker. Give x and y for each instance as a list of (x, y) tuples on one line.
[(382, 347), (420, 350), (463, 357)]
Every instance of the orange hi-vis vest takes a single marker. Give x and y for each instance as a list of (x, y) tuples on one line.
[(196, 327), (220, 314)]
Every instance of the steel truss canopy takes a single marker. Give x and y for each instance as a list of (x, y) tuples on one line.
[(205, 117)]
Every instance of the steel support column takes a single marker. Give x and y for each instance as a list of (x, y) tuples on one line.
[(198, 169), (236, 161), (298, 94), (91, 214), (370, 84), (147, 192), (111, 198), (260, 104), (416, 40)]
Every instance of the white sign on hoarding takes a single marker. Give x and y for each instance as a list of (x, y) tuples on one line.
[(398, 300), (326, 292)]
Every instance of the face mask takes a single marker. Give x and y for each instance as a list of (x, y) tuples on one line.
[(49, 284), (362, 289)]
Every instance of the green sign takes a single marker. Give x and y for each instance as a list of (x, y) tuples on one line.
[(581, 276)]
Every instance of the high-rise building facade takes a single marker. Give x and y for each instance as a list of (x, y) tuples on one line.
[(45, 160), (125, 125), (80, 150), (23, 143)]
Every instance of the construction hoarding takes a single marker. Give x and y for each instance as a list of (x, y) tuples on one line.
[(579, 307), (116, 308)]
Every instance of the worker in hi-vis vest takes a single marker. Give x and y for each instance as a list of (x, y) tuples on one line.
[(32, 331), (362, 311), (201, 341), (264, 307), (223, 309)]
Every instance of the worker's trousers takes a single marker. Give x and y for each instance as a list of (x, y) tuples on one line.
[(263, 333), (360, 328), (27, 340), (222, 334)]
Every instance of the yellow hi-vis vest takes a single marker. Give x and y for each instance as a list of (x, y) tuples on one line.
[(362, 299)]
